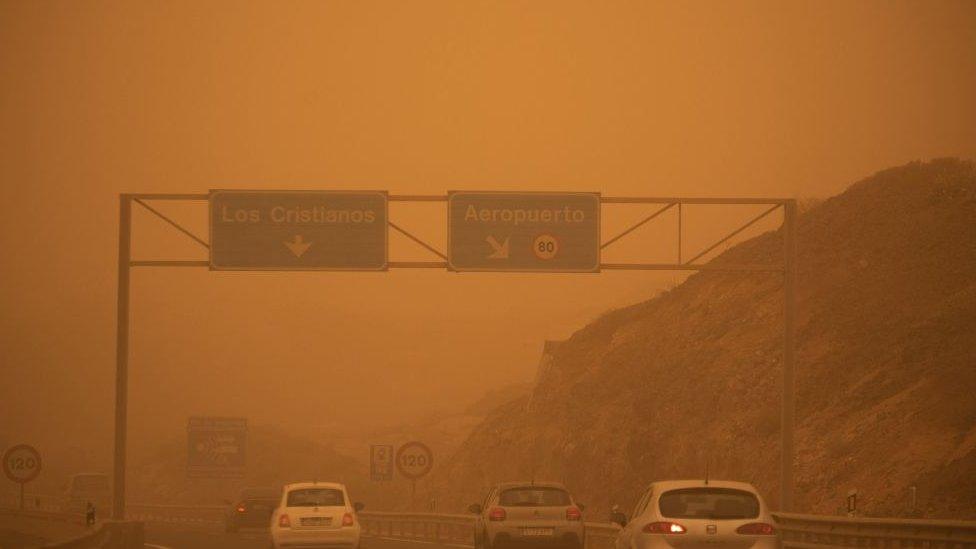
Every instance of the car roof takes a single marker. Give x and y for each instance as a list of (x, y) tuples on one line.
[(527, 483), (662, 485), (314, 484)]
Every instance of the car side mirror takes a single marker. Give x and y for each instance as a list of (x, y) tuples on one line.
[(358, 506), (474, 508), (619, 518)]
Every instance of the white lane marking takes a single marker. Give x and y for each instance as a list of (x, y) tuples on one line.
[(151, 546), (422, 541)]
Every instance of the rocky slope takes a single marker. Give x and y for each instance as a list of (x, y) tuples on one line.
[(886, 369)]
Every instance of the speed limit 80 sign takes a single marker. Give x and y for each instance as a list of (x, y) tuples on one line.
[(414, 460), (22, 463)]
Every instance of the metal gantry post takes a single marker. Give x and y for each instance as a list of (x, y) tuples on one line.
[(789, 328), (122, 357)]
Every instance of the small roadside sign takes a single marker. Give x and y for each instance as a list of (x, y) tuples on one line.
[(381, 462), (523, 231), (414, 460), (22, 463), (216, 447), (298, 230)]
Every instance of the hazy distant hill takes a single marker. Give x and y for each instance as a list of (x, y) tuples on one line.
[(886, 364), (274, 457)]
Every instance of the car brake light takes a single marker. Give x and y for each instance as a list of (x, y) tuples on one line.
[(573, 513), (241, 508), (664, 528), (284, 521), (347, 519), (497, 513), (756, 529)]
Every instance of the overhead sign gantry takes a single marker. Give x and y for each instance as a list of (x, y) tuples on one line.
[(487, 231)]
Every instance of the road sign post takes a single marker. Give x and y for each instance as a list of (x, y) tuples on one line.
[(298, 230), (523, 232), (414, 460), (22, 464)]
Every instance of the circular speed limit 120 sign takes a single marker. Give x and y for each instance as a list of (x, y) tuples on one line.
[(414, 460), (22, 463)]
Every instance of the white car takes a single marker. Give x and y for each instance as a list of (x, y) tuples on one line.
[(697, 513), (315, 514), (540, 514)]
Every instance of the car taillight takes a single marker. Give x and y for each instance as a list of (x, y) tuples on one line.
[(756, 529), (284, 521), (664, 528), (241, 508), (496, 513), (347, 519), (573, 513)]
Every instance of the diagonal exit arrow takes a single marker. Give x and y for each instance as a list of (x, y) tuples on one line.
[(297, 245), (500, 251)]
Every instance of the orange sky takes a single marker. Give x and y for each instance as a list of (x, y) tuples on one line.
[(697, 99)]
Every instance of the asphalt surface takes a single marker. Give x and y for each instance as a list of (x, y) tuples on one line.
[(19, 532), (161, 536)]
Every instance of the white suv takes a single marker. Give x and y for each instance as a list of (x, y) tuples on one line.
[(315, 514), (698, 513), (528, 513)]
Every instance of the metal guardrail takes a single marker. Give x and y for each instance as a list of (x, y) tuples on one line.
[(817, 531), (438, 528), (456, 529), (796, 531), (188, 514)]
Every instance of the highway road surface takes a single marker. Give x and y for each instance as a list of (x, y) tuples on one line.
[(180, 537)]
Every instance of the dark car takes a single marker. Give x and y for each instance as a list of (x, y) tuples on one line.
[(251, 509)]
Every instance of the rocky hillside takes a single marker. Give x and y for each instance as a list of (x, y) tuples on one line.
[(886, 369)]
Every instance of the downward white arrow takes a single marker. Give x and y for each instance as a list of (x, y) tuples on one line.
[(297, 245), (500, 250)]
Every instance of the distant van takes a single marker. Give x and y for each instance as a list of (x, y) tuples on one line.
[(88, 487)]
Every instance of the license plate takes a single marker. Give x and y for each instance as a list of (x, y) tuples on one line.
[(537, 531), (316, 521)]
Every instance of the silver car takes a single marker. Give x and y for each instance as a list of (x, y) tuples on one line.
[(528, 513), (691, 514)]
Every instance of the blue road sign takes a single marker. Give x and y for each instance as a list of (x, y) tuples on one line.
[(381, 462), (216, 447)]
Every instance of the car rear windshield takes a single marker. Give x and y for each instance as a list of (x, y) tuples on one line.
[(315, 497), (533, 496), (710, 503)]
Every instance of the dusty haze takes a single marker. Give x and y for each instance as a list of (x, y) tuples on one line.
[(749, 99)]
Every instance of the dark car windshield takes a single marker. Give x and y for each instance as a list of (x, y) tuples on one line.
[(315, 497), (533, 496), (711, 503)]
